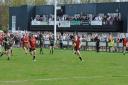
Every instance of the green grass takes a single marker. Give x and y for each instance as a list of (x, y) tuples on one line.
[(64, 68)]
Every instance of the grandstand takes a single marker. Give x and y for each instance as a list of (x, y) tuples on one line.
[(91, 17)]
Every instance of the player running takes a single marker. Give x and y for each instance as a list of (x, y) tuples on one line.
[(77, 46), (7, 45), (25, 42), (32, 46), (12, 42)]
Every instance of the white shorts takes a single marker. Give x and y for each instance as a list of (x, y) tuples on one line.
[(1, 48)]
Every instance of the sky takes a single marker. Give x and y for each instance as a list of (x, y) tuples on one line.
[(78, 1)]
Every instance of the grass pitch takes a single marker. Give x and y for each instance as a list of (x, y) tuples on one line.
[(64, 68)]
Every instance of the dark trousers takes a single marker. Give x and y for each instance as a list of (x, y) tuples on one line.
[(97, 48), (61, 45)]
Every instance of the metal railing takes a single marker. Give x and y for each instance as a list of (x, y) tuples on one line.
[(85, 45)]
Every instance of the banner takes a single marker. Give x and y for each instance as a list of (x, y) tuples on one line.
[(43, 23), (34, 22), (64, 24), (47, 42), (103, 44), (120, 45), (85, 23), (91, 43), (75, 22), (39, 22), (70, 43), (65, 43), (96, 22), (52, 22), (83, 43)]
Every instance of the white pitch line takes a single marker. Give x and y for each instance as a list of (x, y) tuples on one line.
[(64, 78), (51, 79)]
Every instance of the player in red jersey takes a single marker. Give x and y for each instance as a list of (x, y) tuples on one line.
[(127, 46), (32, 46), (124, 45), (77, 46), (25, 42)]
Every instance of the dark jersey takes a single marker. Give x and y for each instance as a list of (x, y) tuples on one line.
[(41, 39), (51, 41), (7, 43)]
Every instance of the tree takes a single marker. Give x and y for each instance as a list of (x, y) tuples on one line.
[(4, 17), (40, 2), (85, 1), (18, 2), (4, 9)]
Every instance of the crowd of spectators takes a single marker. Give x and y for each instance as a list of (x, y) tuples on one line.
[(67, 36), (106, 19)]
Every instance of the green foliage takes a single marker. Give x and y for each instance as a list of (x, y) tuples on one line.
[(4, 9), (40, 2), (4, 17)]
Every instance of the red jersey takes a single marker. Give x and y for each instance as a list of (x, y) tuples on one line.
[(1, 40), (25, 39), (78, 43), (33, 42), (124, 41), (127, 44)]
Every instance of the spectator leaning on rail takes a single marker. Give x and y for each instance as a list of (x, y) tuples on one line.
[(112, 45), (61, 41), (109, 46), (97, 43)]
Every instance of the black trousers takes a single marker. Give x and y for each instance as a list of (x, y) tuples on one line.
[(61, 45), (97, 48)]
